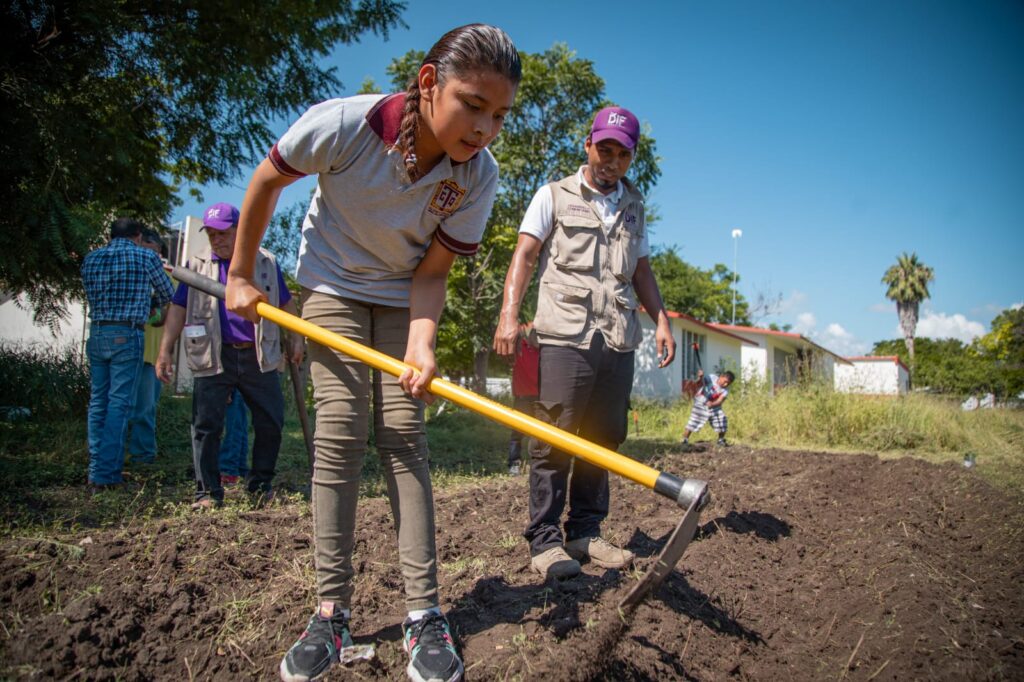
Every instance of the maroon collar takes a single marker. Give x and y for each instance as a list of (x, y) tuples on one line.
[(385, 117)]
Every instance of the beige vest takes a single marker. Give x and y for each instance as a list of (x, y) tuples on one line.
[(203, 352), (586, 272)]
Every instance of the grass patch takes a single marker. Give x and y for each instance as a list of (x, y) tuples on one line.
[(815, 418), (44, 462)]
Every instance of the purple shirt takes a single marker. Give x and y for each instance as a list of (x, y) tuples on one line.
[(233, 328)]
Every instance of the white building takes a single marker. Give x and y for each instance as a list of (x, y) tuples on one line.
[(873, 375), (719, 350), (781, 358), (18, 328)]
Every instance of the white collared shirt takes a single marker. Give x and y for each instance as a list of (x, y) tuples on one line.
[(538, 221)]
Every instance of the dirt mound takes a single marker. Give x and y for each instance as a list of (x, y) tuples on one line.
[(806, 566)]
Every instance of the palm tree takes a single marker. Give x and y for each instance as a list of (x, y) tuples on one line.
[(908, 286)]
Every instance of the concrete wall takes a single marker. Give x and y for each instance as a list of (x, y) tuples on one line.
[(17, 327), (872, 377), (717, 352)]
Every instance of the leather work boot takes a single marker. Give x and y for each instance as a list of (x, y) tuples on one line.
[(599, 551), (555, 563)]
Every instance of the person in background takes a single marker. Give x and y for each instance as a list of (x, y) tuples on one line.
[(707, 406), (227, 352), (142, 442), (234, 445), (123, 282), (525, 390)]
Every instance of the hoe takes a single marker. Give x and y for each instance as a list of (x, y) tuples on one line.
[(691, 494)]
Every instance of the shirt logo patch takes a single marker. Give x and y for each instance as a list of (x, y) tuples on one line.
[(579, 210), (446, 199)]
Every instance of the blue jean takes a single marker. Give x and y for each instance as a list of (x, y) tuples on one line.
[(234, 445), (115, 358), (142, 442)]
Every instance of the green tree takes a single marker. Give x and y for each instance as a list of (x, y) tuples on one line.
[(907, 283), (1004, 348), (704, 294), (542, 141), (944, 365), (107, 107)]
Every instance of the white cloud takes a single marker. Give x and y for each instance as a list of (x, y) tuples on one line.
[(805, 323), (840, 341), (935, 325), (791, 302), (1017, 306), (887, 307)]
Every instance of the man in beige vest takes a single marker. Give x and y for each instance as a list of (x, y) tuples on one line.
[(225, 352), (588, 233)]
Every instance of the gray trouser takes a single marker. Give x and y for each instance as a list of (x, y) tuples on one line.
[(583, 391), (342, 389)]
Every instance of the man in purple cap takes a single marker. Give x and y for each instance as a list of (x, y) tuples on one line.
[(588, 233), (225, 352)]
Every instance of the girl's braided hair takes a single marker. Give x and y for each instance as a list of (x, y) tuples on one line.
[(460, 51)]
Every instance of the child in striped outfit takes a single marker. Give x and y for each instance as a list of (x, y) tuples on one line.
[(707, 405)]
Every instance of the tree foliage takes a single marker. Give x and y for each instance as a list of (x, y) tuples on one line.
[(991, 363), (907, 283), (542, 141), (704, 294), (107, 107)]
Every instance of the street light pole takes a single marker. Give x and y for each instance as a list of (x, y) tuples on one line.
[(736, 234)]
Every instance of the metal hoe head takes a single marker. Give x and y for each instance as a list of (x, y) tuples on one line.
[(671, 553)]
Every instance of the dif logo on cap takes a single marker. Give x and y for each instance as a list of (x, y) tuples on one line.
[(616, 123), (221, 216)]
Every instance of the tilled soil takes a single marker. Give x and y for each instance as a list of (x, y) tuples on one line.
[(806, 566)]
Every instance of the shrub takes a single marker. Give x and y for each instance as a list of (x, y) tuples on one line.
[(53, 383)]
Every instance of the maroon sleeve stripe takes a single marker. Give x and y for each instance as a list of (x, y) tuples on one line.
[(454, 245), (281, 165)]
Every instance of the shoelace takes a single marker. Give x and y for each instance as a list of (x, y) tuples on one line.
[(430, 630)]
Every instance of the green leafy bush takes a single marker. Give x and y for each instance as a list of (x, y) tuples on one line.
[(52, 383)]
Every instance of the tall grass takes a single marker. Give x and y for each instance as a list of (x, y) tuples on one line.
[(815, 417), (48, 381)]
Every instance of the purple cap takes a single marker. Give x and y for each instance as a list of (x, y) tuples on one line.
[(222, 216), (616, 123)]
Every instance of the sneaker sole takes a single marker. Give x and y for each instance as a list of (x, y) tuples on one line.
[(414, 674)]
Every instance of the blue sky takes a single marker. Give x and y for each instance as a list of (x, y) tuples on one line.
[(835, 135)]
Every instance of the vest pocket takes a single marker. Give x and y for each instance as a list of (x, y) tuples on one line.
[(562, 309), (622, 256), (199, 349), (626, 333), (576, 242)]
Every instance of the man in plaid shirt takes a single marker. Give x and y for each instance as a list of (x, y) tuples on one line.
[(123, 283)]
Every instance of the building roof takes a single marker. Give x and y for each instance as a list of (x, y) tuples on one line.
[(772, 332), (879, 358), (710, 326)]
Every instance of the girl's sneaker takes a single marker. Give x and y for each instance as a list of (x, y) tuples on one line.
[(318, 648), (432, 655)]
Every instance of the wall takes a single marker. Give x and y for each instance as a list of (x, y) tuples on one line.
[(17, 327), (873, 377)]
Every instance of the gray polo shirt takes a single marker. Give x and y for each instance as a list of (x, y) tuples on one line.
[(368, 226)]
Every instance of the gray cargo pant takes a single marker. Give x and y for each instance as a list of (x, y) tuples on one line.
[(342, 389)]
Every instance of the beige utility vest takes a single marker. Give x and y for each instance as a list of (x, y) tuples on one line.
[(203, 352), (586, 270)]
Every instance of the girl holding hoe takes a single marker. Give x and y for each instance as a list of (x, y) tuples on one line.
[(405, 184)]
